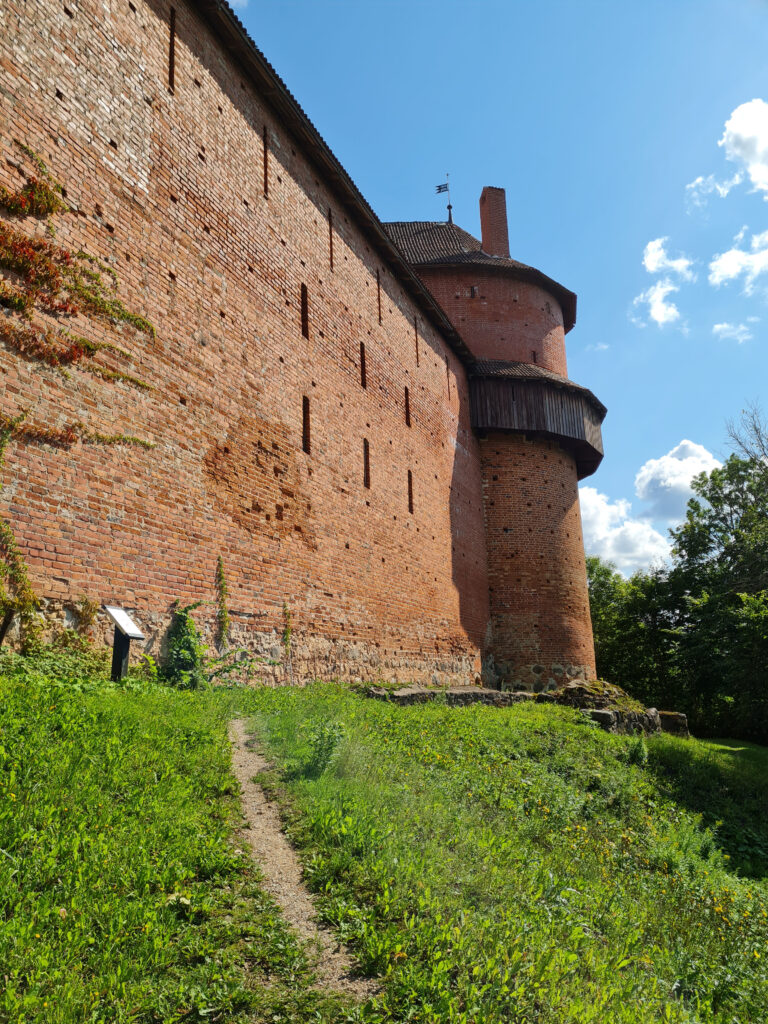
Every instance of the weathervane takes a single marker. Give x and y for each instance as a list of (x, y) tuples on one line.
[(446, 188)]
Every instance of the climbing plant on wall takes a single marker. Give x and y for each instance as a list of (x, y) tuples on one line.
[(59, 311)]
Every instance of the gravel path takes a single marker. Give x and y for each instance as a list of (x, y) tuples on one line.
[(282, 871)]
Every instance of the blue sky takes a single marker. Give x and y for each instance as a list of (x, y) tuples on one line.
[(632, 140)]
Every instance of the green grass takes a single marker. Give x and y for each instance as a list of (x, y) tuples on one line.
[(503, 865), (491, 865), (726, 781), (124, 892)]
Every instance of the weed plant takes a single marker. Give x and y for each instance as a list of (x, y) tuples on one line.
[(184, 662)]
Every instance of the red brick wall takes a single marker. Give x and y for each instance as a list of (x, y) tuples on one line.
[(168, 189), (541, 628), (506, 319)]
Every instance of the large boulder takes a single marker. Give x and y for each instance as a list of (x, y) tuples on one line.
[(675, 722)]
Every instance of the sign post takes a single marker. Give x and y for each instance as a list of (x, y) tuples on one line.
[(125, 631)]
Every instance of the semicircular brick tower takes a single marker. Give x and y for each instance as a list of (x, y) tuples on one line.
[(539, 434)]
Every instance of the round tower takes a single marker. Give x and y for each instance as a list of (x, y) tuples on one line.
[(539, 434)]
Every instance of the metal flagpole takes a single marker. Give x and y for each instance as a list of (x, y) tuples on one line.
[(446, 187)]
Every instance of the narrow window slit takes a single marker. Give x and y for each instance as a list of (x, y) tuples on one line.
[(265, 160), (304, 311), (366, 464), (306, 439), (330, 236), (410, 492), (407, 408), (533, 355), (172, 51), (378, 292), (416, 337), (363, 374)]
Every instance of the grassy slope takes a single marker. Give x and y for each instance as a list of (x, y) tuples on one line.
[(726, 781), (496, 865), (515, 865), (123, 893)]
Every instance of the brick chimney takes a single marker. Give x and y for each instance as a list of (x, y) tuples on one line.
[(493, 221)]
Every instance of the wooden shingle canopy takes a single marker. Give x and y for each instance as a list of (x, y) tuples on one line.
[(521, 398)]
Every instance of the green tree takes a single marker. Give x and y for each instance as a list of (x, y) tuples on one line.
[(723, 543), (694, 636), (607, 600), (636, 627), (721, 567)]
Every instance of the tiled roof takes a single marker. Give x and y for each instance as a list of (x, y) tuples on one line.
[(427, 243), (529, 371)]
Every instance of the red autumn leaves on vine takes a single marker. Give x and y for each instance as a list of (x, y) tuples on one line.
[(55, 281)]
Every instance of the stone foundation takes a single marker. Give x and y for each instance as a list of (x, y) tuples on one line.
[(311, 657), (674, 722), (536, 678)]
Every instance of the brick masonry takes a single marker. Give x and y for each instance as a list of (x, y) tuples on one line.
[(500, 317), (493, 221), (541, 627), (167, 186)]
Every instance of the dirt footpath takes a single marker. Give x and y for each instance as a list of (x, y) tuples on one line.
[(280, 866)]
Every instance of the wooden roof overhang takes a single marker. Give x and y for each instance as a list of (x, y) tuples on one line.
[(546, 407)]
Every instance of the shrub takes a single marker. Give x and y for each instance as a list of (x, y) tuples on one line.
[(323, 741), (183, 665), (637, 751)]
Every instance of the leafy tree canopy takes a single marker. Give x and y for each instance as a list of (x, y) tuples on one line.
[(694, 635)]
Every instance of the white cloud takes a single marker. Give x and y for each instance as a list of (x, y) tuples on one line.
[(655, 299), (735, 262), (666, 482), (735, 332), (611, 532), (656, 260), (599, 346), (698, 191), (745, 141), (664, 485)]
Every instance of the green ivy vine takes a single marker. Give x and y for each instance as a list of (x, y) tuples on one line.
[(222, 612)]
